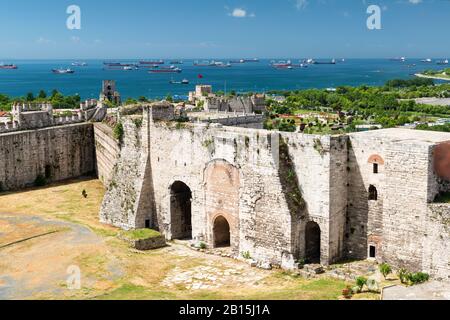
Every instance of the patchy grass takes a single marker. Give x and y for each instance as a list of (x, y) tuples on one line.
[(140, 234), (111, 270), (62, 201)]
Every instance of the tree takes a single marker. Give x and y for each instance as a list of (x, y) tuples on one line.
[(385, 270), (361, 282), (30, 97), (54, 93), (42, 94)]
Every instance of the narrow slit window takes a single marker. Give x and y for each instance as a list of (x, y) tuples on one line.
[(375, 168), (372, 252), (373, 193)]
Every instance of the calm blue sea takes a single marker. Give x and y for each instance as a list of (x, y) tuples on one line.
[(35, 75)]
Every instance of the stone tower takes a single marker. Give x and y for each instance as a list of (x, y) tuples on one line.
[(109, 92)]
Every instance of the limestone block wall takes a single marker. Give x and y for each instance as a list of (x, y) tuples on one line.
[(127, 203), (245, 121), (405, 203), (403, 225), (107, 150), (232, 173), (56, 153), (364, 217), (321, 167), (437, 241)]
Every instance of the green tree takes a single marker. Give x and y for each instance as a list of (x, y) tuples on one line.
[(42, 94), (385, 269), (29, 97)]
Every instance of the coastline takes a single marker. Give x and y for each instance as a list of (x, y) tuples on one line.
[(420, 75)]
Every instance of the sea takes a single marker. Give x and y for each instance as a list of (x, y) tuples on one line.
[(35, 75)]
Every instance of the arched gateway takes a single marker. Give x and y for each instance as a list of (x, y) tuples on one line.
[(312, 237), (180, 211), (222, 235)]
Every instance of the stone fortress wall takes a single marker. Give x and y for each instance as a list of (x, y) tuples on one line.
[(231, 173), (364, 195), (281, 197), (53, 153), (36, 116)]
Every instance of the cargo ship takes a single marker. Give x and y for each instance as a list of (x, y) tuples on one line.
[(63, 71), (281, 64), (250, 60), (156, 62), (325, 62), (8, 66), (401, 59), (184, 81), (202, 64), (119, 64), (79, 64), (166, 70)]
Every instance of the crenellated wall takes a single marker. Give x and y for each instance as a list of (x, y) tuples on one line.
[(56, 153)]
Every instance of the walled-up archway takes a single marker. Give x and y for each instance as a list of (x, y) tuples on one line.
[(312, 241), (180, 211), (222, 235), (222, 183)]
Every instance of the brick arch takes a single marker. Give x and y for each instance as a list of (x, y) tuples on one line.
[(375, 158), (222, 183)]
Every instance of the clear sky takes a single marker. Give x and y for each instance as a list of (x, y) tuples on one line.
[(223, 28)]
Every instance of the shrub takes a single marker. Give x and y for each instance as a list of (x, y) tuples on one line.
[(403, 275), (40, 181), (385, 270), (246, 255), (419, 277), (361, 282), (301, 263), (118, 131)]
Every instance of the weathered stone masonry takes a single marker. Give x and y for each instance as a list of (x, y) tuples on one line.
[(284, 197), (281, 197), (56, 153)]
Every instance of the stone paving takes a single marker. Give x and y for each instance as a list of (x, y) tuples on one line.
[(427, 291)]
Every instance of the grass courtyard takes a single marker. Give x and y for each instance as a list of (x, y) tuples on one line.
[(112, 270)]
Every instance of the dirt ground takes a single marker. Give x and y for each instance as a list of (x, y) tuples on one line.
[(45, 233)]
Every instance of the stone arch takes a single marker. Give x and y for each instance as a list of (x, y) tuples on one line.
[(312, 242), (376, 159), (222, 185), (221, 232), (180, 211)]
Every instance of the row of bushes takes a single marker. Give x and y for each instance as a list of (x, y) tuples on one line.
[(406, 277)]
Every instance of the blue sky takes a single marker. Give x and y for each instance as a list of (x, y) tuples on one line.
[(219, 28)]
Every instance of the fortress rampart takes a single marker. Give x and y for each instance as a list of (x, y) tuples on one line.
[(285, 197)]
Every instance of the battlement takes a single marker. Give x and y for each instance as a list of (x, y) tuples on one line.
[(30, 116), (233, 119), (18, 108)]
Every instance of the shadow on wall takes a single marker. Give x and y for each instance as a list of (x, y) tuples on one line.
[(357, 220), (294, 198)]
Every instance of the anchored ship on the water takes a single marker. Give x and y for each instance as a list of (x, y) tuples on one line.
[(63, 71), (171, 69), (8, 66), (79, 64)]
